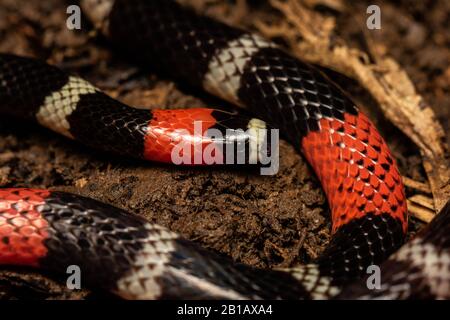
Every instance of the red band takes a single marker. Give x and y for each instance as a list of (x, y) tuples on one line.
[(22, 228), (356, 170)]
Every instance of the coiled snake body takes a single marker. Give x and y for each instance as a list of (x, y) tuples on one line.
[(124, 254)]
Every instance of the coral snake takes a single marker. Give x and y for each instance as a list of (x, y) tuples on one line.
[(124, 254)]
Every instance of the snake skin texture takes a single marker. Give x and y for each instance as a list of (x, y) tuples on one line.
[(138, 260), (419, 270), (68, 105), (123, 253), (311, 111), (351, 159)]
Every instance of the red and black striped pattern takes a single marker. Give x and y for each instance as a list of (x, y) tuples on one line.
[(352, 161), (122, 253), (33, 90)]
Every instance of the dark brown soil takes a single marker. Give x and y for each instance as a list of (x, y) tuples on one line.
[(264, 221)]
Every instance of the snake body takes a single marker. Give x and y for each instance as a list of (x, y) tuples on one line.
[(124, 254)]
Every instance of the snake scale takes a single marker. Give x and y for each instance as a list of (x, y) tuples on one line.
[(124, 254)]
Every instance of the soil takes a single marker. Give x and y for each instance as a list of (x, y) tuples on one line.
[(263, 221)]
